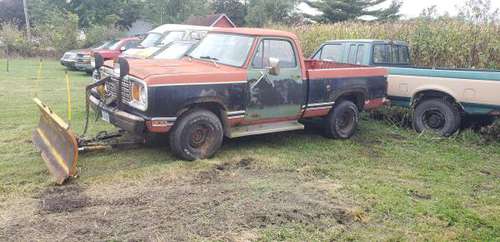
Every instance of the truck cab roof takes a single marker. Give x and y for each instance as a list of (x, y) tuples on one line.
[(177, 27), (256, 32), (371, 41)]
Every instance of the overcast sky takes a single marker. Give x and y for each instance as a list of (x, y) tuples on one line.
[(412, 8)]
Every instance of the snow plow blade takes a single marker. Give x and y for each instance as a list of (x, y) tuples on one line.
[(57, 144)]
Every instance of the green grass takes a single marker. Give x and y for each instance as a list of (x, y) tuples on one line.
[(404, 186)]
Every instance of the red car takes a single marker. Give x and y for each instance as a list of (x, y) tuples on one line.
[(83, 59)]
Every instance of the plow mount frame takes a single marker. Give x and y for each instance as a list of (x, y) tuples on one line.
[(60, 146)]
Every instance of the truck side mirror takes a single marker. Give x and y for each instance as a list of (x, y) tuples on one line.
[(274, 66)]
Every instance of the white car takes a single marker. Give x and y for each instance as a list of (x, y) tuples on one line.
[(164, 35)]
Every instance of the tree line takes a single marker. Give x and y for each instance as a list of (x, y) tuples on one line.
[(57, 25), (123, 13)]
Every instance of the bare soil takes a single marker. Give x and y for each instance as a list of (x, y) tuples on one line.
[(228, 202)]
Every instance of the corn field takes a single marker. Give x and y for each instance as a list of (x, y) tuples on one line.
[(435, 43)]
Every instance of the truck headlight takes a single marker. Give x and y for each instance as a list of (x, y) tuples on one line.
[(138, 94), (92, 62)]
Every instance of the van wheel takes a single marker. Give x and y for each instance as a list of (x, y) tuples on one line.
[(437, 115), (197, 135), (342, 121)]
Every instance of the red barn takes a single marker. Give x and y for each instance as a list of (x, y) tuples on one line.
[(214, 20)]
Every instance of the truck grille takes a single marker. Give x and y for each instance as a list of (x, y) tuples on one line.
[(113, 89), (112, 86)]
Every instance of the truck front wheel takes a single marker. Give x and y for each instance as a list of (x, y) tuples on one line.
[(437, 115), (197, 135), (342, 121)]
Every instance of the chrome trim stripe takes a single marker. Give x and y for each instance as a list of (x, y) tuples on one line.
[(320, 104), (168, 119), (318, 108), (235, 113), (197, 83), (236, 117)]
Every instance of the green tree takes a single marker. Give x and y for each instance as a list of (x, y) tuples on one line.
[(173, 11), (479, 11), (11, 11), (234, 9), (343, 10), (262, 12), (90, 12)]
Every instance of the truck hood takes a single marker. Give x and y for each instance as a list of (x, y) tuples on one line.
[(183, 71), (108, 54)]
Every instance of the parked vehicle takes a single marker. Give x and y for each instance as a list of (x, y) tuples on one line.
[(69, 58), (83, 59), (438, 97), (174, 50), (164, 35), (235, 82)]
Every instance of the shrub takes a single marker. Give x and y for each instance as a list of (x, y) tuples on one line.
[(491, 132), (99, 33), (14, 40), (59, 33)]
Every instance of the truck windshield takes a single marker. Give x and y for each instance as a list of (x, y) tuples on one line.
[(171, 37), (151, 40), (116, 45), (174, 51), (228, 49), (104, 45)]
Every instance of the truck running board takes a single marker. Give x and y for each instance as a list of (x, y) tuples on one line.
[(265, 128)]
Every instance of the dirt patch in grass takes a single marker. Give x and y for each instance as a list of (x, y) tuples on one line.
[(221, 203)]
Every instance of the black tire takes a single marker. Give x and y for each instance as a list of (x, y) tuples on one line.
[(342, 121), (437, 115), (197, 135)]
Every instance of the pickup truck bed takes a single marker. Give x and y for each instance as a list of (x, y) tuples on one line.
[(329, 80), (476, 91)]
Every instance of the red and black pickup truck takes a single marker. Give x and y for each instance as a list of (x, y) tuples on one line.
[(235, 82)]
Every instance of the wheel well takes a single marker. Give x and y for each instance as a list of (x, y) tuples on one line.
[(357, 98), (214, 107), (429, 94)]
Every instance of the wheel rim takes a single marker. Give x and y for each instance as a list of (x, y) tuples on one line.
[(199, 136), (433, 119), (345, 122)]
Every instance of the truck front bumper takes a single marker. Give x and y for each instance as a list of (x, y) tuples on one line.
[(126, 121), (68, 63), (83, 66)]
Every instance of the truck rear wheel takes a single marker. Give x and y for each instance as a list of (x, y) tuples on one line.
[(437, 115), (342, 121), (197, 135)]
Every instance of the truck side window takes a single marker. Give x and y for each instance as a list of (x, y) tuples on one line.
[(381, 54), (404, 55), (132, 44), (332, 53), (360, 55), (280, 49), (353, 49)]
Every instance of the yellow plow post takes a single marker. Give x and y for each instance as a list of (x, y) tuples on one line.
[(57, 143)]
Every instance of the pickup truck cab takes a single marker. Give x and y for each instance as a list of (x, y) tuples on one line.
[(164, 35), (235, 82), (439, 98)]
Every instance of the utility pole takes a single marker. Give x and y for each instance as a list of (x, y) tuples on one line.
[(26, 17)]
